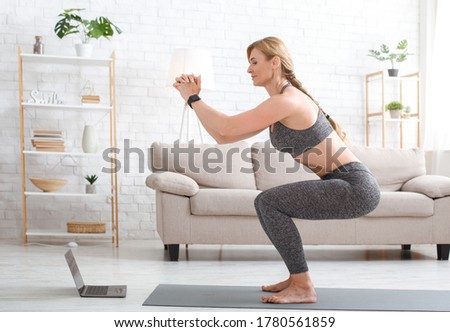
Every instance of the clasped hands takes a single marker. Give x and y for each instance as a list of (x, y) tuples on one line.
[(188, 85)]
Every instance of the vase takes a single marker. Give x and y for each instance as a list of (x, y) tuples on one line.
[(90, 189), (90, 140), (395, 114), (84, 50), (393, 72)]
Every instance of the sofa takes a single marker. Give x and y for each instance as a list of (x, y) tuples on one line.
[(205, 195)]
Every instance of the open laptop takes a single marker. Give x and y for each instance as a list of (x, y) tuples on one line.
[(89, 290)]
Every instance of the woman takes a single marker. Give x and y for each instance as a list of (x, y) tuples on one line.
[(297, 124)]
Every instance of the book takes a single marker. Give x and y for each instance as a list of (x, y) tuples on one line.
[(90, 99)]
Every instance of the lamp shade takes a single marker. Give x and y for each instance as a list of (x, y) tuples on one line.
[(192, 61)]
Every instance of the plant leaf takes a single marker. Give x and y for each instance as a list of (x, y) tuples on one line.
[(402, 45), (384, 48), (64, 28)]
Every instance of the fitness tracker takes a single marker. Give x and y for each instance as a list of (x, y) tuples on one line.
[(193, 99)]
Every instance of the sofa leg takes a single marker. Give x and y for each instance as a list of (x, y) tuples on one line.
[(406, 247), (174, 250), (442, 251)]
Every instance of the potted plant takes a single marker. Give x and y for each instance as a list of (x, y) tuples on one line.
[(384, 54), (90, 188), (406, 111), (73, 23), (395, 108)]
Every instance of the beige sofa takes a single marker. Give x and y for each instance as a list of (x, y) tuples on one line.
[(205, 195)]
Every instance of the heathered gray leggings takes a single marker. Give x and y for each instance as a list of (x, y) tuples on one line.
[(348, 192)]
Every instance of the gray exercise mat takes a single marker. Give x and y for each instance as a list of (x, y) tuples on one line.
[(246, 297)]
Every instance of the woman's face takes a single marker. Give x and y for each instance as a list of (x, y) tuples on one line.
[(260, 68)]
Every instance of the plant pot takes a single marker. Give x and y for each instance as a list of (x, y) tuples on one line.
[(84, 50), (90, 189), (395, 114), (393, 72), (90, 140)]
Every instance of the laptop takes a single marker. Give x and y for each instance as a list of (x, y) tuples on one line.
[(89, 290)]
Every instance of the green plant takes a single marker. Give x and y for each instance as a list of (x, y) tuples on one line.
[(72, 23), (407, 109), (384, 54), (394, 106), (91, 178)]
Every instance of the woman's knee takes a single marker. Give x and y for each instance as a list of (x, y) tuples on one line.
[(262, 200)]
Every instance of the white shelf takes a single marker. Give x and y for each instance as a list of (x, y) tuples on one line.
[(68, 153), (405, 120), (377, 77), (402, 120), (69, 106), (40, 63), (59, 233), (68, 60), (41, 193)]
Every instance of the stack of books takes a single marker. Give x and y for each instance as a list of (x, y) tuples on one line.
[(48, 140), (90, 99)]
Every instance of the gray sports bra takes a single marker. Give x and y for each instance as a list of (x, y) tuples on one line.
[(298, 141)]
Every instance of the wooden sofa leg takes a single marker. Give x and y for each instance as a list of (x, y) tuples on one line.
[(443, 251), (406, 247), (174, 250)]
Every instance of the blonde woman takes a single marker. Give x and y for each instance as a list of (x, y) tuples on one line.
[(297, 124)]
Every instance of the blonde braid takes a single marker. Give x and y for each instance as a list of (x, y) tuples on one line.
[(290, 76)]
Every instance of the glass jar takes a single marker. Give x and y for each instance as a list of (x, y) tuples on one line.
[(38, 47)]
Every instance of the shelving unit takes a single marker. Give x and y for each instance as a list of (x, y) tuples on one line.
[(375, 108), (112, 196)]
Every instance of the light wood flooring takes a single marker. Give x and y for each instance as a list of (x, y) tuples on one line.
[(36, 278)]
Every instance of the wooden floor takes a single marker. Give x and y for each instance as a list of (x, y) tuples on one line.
[(36, 278)]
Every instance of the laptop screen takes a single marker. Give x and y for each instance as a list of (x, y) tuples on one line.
[(74, 270)]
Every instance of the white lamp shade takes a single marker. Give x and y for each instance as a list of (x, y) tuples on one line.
[(192, 61)]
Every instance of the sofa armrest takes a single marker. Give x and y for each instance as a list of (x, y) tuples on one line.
[(434, 186), (173, 183)]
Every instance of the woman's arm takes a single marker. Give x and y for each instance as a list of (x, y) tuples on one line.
[(226, 128), (230, 139)]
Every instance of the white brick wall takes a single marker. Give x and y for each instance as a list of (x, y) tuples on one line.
[(328, 39)]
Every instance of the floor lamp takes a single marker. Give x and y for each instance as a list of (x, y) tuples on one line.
[(191, 61)]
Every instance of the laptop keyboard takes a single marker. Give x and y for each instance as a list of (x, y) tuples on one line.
[(96, 290)]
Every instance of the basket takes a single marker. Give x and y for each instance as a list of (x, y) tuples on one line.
[(85, 227)]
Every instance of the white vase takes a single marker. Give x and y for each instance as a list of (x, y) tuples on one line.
[(90, 189), (395, 114), (90, 139), (84, 50)]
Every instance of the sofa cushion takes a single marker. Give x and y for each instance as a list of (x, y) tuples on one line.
[(224, 202), (434, 186), (210, 165), (234, 202), (392, 167), (273, 168), (173, 183), (403, 204)]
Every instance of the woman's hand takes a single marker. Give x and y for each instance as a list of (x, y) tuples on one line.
[(188, 85)]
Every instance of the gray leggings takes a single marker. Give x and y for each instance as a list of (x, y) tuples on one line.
[(350, 191)]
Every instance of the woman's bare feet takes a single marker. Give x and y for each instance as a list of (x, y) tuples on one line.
[(300, 289), (277, 287)]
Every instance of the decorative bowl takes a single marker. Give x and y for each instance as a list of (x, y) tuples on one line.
[(48, 185)]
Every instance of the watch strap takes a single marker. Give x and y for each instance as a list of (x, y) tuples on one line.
[(193, 99)]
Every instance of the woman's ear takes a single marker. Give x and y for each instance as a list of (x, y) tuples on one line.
[(276, 62)]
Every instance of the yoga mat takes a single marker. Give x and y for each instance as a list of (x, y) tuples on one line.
[(244, 297)]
